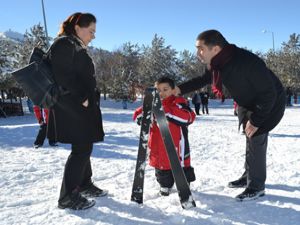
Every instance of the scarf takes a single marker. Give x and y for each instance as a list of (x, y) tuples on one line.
[(217, 63)]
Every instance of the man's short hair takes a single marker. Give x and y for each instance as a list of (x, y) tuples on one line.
[(165, 79), (212, 38)]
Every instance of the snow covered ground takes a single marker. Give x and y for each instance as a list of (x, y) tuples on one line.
[(30, 178)]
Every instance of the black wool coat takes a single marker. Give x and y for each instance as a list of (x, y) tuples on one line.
[(73, 69), (252, 85)]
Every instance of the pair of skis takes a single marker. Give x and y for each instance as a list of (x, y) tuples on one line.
[(152, 104)]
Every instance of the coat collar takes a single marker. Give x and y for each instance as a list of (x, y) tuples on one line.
[(79, 41)]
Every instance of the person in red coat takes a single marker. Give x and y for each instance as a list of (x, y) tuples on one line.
[(41, 115), (179, 116)]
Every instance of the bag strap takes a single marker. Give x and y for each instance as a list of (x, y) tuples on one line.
[(47, 54)]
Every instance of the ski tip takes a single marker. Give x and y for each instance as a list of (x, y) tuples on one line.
[(137, 200), (190, 203)]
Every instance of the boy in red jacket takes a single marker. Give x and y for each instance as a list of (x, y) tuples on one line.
[(41, 115), (179, 116)]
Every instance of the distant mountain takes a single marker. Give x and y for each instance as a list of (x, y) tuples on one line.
[(12, 35)]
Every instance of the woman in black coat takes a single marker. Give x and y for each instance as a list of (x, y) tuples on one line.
[(76, 118)]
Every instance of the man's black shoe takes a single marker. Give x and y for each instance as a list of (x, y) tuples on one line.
[(240, 183), (75, 201), (53, 144), (250, 194), (37, 145), (91, 190)]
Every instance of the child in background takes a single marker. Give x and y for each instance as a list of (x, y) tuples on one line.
[(41, 115), (179, 116)]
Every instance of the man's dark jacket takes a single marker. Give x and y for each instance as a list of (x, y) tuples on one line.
[(255, 88)]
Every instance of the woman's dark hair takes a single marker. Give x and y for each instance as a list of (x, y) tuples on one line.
[(80, 19), (168, 80), (212, 38)]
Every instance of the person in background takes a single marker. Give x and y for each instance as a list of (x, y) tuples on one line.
[(257, 91), (235, 108), (29, 105), (223, 98), (76, 117), (295, 97), (196, 100), (289, 94), (41, 115), (179, 116), (204, 101)]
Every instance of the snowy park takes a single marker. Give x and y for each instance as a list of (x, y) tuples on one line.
[(30, 178)]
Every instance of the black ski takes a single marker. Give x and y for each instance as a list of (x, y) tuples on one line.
[(184, 192), (138, 183)]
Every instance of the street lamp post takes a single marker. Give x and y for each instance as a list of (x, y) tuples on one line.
[(267, 31), (45, 23)]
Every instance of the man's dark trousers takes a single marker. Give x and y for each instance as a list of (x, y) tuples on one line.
[(255, 165)]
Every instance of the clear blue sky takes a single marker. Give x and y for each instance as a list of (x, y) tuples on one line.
[(178, 21)]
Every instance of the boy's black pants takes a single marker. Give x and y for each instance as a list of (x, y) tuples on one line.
[(165, 177), (41, 136)]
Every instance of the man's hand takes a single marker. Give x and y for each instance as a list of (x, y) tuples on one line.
[(250, 129)]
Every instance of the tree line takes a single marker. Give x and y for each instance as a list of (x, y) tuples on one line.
[(123, 73)]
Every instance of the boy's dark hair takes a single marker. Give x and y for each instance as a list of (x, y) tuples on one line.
[(212, 38), (168, 80)]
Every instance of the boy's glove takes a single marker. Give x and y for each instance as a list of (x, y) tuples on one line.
[(139, 120), (41, 121), (138, 116)]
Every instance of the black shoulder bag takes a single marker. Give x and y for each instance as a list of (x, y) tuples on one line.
[(37, 79)]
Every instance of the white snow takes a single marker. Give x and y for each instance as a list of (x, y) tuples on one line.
[(30, 178)]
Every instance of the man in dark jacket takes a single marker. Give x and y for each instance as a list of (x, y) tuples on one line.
[(255, 88)]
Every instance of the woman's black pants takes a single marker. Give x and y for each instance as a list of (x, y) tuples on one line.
[(78, 170)]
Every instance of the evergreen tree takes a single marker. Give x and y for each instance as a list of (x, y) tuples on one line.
[(291, 57), (36, 37), (125, 73), (189, 65), (102, 59), (8, 63), (285, 63), (15, 55), (156, 61)]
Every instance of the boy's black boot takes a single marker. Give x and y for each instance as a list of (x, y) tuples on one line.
[(164, 191)]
